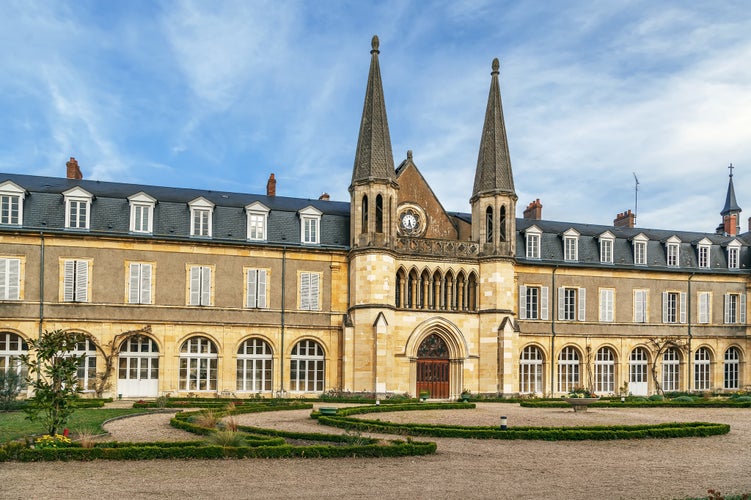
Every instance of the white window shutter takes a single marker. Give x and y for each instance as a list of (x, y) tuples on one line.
[(683, 307), (703, 307), (305, 291), (561, 303), (522, 302), (742, 300), (69, 275), (82, 281), (205, 286), (727, 308), (543, 302), (603, 305), (638, 307), (582, 304), (195, 286), (314, 292), (664, 307), (252, 286), (262, 288), (145, 283), (133, 293), (13, 280)]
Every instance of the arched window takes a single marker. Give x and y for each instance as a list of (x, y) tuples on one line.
[(139, 359), (86, 374), (307, 365), (198, 365), (437, 291), (413, 290), (11, 347), (379, 214), (425, 294), (531, 368), (364, 214), (254, 366), (732, 368), (568, 369), (472, 292), (671, 370), (489, 225), (702, 364), (605, 371), (502, 224), (400, 291)]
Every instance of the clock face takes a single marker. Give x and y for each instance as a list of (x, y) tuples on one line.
[(409, 221)]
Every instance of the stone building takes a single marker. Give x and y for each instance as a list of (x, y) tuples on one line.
[(209, 292)]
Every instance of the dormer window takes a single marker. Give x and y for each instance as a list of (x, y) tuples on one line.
[(11, 203), (606, 247), (201, 217), (672, 251), (571, 245), (533, 235), (141, 213), (77, 208), (310, 225), (703, 253), (640, 249), (734, 251), (258, 215)]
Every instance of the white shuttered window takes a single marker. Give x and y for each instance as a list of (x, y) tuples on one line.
[(256, 287), (309, 291), (76, 281), (200, 286), (139, 283), (10, 279)]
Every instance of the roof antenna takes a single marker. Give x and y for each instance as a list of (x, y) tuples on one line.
[(636, 195)]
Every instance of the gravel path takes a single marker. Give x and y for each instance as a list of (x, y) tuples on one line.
[(670, 468)]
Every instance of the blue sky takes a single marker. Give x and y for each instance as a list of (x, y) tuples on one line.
[(220, 94)]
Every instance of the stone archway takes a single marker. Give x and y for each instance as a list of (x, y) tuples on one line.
[(433, 367), (437, 350)]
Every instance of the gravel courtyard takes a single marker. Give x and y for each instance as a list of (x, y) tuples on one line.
[(670, 468)]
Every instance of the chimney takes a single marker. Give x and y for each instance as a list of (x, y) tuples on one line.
[(625, 219), (271, 186), (731, 224), (324, 197), (534, 210), (73, 171)]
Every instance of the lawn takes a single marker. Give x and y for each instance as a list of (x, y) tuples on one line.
[(14, 425)]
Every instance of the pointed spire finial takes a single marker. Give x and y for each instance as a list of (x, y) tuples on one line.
[(375, 44), (496, 66), (731, 167)]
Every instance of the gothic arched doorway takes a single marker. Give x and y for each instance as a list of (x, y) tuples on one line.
[(433, 367)]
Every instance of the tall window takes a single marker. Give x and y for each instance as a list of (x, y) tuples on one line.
[(199, 293), (139, 283), (571, 248), (86, 373), (11, 203), (307, 364), (11, 347), (309, 291), (489, 225), (533, 302), (379, 214), (141, 213), (365, 209), (704, 255), (201, 215), (640, 252), (572, 304), (310, 222), (77, 207), (198, 365), (10, 278), (605, 371), (640, 306), (254, 366), (735, 308), (568, 370), (673, 252), (533, 235), (256, 288), (606, 304), (606, 248), (702, 364), (531, 370), (502, 224), (704, 307), (671, 370), (257, 215), (732, 365), (75, 280), (673, 307)]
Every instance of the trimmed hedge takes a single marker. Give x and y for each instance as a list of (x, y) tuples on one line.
[(683, 402)]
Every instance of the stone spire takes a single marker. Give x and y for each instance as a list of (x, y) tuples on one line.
[(373, 158), (493, 174), (731, 206)]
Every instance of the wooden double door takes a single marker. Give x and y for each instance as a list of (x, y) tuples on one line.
[(433, 367)]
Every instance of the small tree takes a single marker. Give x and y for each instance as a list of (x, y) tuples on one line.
[(660, 345), (52, 374), (11, 384)]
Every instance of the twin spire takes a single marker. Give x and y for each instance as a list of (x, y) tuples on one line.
[(374, 160)]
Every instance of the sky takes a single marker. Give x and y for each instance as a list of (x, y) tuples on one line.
[(219, 94)]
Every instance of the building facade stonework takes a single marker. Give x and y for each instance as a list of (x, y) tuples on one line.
[(185, 291)]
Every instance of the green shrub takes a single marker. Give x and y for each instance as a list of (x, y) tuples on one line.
[(656, 397)]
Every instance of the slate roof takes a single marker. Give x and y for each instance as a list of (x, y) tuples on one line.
[(110, 210), (493, 174)]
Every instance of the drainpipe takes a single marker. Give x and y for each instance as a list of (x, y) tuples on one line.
[(689, 360), (281, 349), (551, 311), (41, 293)]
